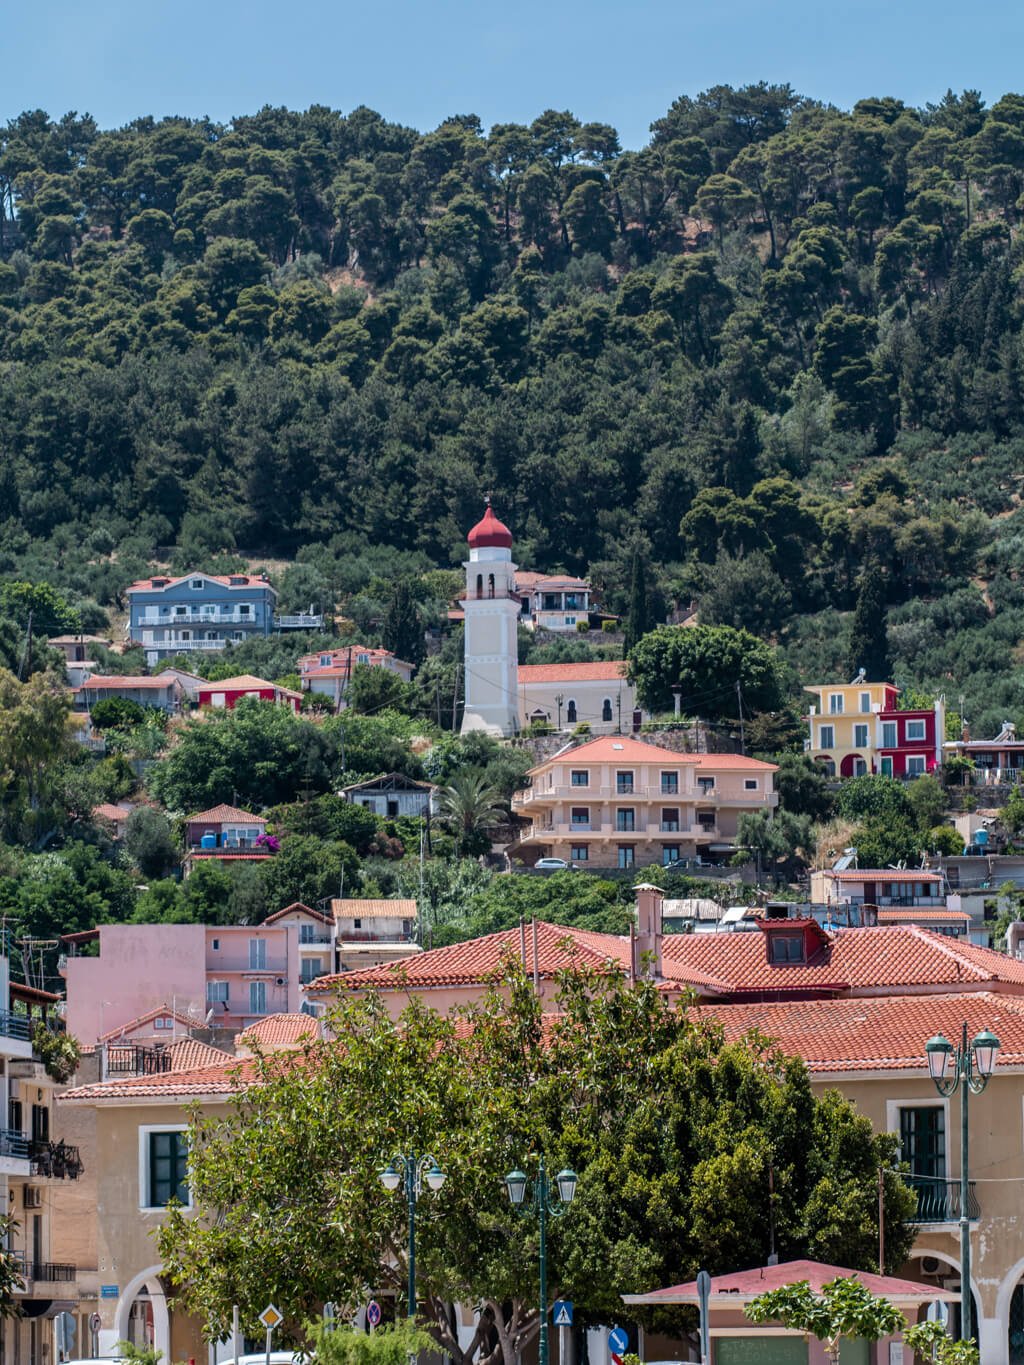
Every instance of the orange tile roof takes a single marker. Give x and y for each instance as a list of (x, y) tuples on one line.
[(743, 1285), (617, 749), (107, 811), (250, 580), (226, 815), (221, 1080), (887, 1033), (242, 681), (161, 1012), (297, 907), (350, 908), (126, 682), (481, 959), (189, 1054), (859, 960), (734, 762), (279, 1030), (884, 874), (887, 916), (596, 671)]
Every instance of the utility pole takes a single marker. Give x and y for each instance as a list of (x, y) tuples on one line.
[(881, 1221), (455, 700)]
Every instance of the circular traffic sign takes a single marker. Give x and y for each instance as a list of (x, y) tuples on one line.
[(373, 1313), (618, 1340)]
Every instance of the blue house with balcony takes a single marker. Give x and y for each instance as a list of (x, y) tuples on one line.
[(199, 612)]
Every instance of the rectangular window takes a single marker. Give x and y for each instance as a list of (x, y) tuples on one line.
[(750, 784), (860, 736), (915, 731), (257, 954), (244, 609), (306, 933), (166, 1169), (626, 855), (580, 777), (865, 702), (669, 784), (580, 853), (835, 704), (257, 997), (786, 948), (669, 854), (625, 820), (311, 969), (623, 782), (215, 944), (706, 784), (196, 585), (923, 1141), (915, 765), (826, 737), (886, 766), (670, 819), (216, 992), (888, 734), (580, 815)]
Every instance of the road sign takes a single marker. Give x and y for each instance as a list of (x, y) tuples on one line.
[(64, 1326), (271, 1317), (109, 1291), (561, 1311), (938, 1311), (703, 1295), (618, 1341), (94, 1322), (373, 1313)]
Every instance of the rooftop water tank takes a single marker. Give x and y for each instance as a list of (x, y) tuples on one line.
[(981, 837), (208, 841)]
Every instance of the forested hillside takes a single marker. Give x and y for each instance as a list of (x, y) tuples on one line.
[(776, 347)]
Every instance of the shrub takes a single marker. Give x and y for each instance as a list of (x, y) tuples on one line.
[(117, 712), (58, 1052), (582, 729), (609, 627), (582, 627)]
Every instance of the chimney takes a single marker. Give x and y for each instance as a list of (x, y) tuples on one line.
[(965, 733), (649, 902)]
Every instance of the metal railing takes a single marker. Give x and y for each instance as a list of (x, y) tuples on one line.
[(938, 1200), (185, 646), (131, 1059), (14, 1144), (57, 1160), (298, 621), (15, 1025), (52, 1272)]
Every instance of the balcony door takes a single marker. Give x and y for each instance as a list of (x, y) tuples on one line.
[(923, 1148)]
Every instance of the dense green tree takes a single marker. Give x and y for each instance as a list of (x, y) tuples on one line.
[(868, 647), (707, 663)]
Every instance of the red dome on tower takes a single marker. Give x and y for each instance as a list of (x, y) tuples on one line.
[(489, 532)]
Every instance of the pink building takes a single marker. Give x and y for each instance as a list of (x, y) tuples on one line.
[(234, 974)]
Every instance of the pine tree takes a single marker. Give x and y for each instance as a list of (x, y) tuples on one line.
[(868, 646), (638, 621), (401, 629)]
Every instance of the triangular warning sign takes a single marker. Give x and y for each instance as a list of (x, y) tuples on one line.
[(563, 1315)]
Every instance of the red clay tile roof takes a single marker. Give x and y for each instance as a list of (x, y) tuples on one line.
[(32, 995), (161, 1012), (240, 683), (189, 1054), (279, 1030), (617, 749), (224, 1079), (885, 1033), (480, 960), (924, 912), (295, 908), (250, 580), (859, 960), (106, 810), (226, 815), (349, 908), (743, 1285), (126, 682), (885, 874), (596, 671), (734, 763)]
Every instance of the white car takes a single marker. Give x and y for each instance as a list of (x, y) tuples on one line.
[(551, 865)]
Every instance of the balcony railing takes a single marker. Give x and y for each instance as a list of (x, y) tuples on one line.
[(50, 1272), (13, 1144), (314, 940), (299, 621), (131, 1059), (56, 1160), (202, 618), (938, 1201), (14, 1025), (183, 646)]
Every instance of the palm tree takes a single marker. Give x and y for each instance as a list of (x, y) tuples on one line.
[(471, 806)]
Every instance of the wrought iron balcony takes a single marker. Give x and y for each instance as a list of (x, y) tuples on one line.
[(57, 1160), (938, 1201), (131, 1059), (14, 1144), (14, 1025), (49, 1272)]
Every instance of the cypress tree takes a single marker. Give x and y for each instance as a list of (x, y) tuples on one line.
[(638, 621), (868, 645)]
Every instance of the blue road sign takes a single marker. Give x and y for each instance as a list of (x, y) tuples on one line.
[(618, 1340), (561, 1311), (373, 1313), (109, 1291)]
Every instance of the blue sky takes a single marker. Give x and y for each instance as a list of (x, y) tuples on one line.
[(417, 61)]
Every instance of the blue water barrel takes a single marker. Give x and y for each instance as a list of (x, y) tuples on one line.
[(981, 837), (208, 841)]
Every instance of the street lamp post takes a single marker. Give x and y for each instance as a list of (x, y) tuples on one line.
[(413, 1171), (967, 1069), (545, 1207)]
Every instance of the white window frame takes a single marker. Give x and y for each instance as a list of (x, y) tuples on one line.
[(865, 703), (579, 772), (196, 584), (260, 989), (892, 1123), (916, 766), (915, 738), (861, 736), (750, 784), (826, 737), (258, 951), (885, 765), (580, 853), (835, 703), (145, 1129), (890, 734), (213, 992)]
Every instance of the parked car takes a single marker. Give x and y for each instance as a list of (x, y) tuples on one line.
[(551, 865)]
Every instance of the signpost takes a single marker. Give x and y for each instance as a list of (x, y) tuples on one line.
[(938, 1312), (373, 1314), (271, 1317), (704, 1294), (561, 1316), (561, 1312), (64, 1327), (94, 1332), (618, 1344)]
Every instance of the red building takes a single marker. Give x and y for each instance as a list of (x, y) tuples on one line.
[(226, 693)]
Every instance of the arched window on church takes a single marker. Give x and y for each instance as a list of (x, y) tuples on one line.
[(606, 709), (479, 585), (490, 585), (570, 712)]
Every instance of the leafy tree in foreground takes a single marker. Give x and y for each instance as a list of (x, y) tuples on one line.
[(671, 1131), (931, 1341), (707, 662), (844, 1308)]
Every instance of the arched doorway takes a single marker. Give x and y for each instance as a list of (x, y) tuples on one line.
[(853, 765), (141, 1315)]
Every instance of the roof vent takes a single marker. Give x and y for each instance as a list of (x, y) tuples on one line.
[(617, 746)]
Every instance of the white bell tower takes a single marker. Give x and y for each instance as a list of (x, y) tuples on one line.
[(492, 618)]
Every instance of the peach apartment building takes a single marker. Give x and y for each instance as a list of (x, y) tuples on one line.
[(618, 802)]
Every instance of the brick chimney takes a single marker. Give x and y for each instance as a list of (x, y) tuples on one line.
[(649, 901)]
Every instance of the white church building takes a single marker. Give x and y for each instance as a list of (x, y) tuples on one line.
[(502, 698)]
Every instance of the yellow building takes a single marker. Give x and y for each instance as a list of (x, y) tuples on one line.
[(858, 728), (618, 802)]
